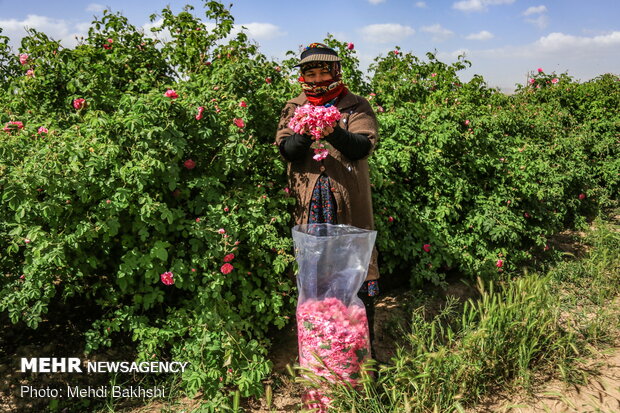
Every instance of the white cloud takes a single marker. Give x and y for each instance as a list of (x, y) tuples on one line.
[(421, 4), (439, 33), (452, 56), (562, 46), (560, 42), (376, 1), (94, 7), (535, 10), (541, 21), (386, 33), (483, 35), (478, 5), (256, 31), (261, 31), (56, 29)]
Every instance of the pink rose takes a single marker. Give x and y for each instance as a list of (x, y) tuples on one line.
[(499, 263), (27, 241), (243, 104), (107, 46), (189, 164), (229, 257), (526, 215), (200, 110), (239, 122), (288, 191), (555, 80), (350, 46), (532, 81), (23, 58), (107, 201), (110, 40), (226, 209), (30, 73), (42, 129), (221, 231), (268, 80), (466, 122), (79, 103), (170, 93), (427, 247), (227, 268), (12, 125), (582, 196), (390, 219), (167, 278), (540, 70), (396, 52), (433, 74), (197, 219)]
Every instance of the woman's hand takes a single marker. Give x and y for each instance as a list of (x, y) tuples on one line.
[(328, 130)]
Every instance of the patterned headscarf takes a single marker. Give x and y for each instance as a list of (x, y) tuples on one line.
[(319, 93)]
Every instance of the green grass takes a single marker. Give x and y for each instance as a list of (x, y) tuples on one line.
[(518, 328)]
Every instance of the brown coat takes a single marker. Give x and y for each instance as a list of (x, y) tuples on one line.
[(350, 181)]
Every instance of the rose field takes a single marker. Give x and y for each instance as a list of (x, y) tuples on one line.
[(144, 206)]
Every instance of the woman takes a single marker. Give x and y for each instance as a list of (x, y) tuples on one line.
[(335, 190)]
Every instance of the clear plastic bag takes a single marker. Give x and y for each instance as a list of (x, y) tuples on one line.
[(331, 320)]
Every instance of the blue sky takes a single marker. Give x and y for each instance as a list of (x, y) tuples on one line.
[(504, 39)]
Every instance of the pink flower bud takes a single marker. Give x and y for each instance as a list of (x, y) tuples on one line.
[(189, 164), (243, 104), (239, 123), (350, 46), (582, 196), (221, 231), (79, 103), (426, 247), (170, 93), (167, 279), (540, 70), (499, 263), (197, 219)]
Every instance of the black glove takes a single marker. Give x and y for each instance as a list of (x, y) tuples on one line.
[(354, 146), (295, 146)]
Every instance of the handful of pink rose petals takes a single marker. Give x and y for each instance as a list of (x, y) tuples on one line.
[(338, 335), (310, 119)]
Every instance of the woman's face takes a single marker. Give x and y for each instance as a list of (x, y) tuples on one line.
[(317, 75)]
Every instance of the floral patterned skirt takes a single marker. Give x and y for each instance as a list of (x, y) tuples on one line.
[(323, 211)]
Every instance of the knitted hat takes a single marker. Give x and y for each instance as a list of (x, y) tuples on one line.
[(318, 52)]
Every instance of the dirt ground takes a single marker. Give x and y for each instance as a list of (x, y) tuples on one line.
[(600, 394)]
